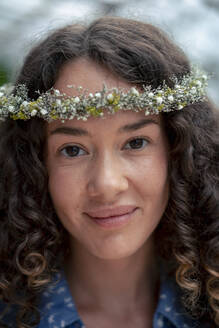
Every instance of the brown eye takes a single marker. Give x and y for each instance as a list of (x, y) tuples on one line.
[(137, 143), (72, 151)]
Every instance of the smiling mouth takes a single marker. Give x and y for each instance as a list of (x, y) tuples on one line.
[(114, 221)]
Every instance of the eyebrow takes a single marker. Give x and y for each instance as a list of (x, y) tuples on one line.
[(82, 132), (137, 125), (70, 131)]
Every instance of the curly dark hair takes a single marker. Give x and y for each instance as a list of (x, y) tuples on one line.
[(32, 239)]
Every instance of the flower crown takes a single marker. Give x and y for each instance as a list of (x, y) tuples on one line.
[(53, 105)]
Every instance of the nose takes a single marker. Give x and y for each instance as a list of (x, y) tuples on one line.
[(107, 178)]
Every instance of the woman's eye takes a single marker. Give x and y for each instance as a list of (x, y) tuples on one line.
[(137, 143), (72, 151)]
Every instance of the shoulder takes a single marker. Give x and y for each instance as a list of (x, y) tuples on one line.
[(56, 307), (170, 310)]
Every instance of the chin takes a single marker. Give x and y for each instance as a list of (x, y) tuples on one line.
[(116, 251)]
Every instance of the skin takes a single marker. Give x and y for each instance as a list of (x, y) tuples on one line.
[(108, 171)]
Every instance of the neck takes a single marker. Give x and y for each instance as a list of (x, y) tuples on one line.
[(125, 282)]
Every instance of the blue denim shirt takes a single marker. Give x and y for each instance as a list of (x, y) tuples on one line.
[(58, 310)]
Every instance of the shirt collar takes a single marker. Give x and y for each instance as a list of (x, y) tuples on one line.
[(58, 310)]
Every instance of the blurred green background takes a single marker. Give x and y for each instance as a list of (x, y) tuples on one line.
[(3, 74)]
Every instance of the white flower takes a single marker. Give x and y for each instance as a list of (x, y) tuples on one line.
[(91, 95), (198, 83), (25, 103), (193, 90), (43, 111), (56, 92), (77, 100), (177, 86), (98, 95), (73, 110), (180, 107), (150, 95), (11, 108), (58, 102), (204, 76), (34, 112), (170, 98), (1, 94), (159, 100), (110, 97), (134, 92)]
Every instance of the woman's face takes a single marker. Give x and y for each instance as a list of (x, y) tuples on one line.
[(108, 176)]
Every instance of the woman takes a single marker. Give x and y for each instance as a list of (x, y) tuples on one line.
[(109, 184)]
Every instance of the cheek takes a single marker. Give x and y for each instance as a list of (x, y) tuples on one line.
[(151, 174), (65, 190), (153, 185), (68, 196), (154, 191)]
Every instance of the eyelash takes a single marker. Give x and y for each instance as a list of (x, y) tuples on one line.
[(70, 147), (63, 150), (138, 138)]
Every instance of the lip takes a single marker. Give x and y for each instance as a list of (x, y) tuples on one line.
[(114, 211), (112, 217)]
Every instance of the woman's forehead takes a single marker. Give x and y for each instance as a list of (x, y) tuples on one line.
[(85, 73)]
